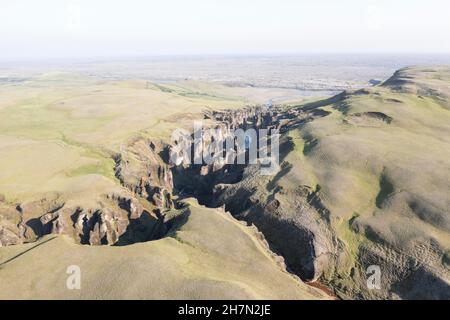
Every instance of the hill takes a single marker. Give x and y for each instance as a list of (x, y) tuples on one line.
[(367, 183)]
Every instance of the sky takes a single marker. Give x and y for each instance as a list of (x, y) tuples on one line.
[(31, 29)]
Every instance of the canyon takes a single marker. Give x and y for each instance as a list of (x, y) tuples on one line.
[(362, 180)]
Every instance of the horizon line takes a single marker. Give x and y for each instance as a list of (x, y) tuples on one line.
[(217, 55)]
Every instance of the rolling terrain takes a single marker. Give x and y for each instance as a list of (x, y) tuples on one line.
[(363, 180), (367, 183)]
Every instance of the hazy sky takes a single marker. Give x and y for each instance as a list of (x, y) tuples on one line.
[(96, 28)]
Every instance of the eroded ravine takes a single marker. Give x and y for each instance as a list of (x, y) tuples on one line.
[(154, 189), (237, 188)]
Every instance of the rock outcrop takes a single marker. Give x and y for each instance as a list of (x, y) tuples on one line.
[(116, 220), (141, 169), (295, 228)]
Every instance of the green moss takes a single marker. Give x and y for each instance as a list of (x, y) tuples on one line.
[(102, 167), (350, 238)]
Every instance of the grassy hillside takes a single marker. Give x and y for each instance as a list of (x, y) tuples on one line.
[(367, 183), (381, 159), (208, 256)]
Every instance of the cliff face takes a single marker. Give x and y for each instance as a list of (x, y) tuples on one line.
[(115, 220), (295, 221), (297, 227), (141, 169)]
